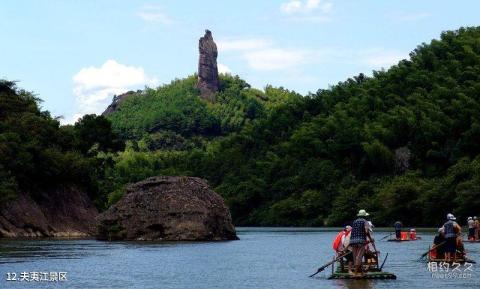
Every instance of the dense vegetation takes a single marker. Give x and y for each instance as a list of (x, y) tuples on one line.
[(403, 143), (36, 153)]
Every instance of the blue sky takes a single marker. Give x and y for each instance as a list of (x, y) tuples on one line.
[(77, 54)]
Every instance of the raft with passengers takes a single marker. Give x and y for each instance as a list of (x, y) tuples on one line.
[(473, 230), (448, 245), (402, 236), (356, 256)]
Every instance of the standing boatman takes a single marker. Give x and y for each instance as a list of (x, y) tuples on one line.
[(477, 228), (398, 229), (451, 229), (358, 239)]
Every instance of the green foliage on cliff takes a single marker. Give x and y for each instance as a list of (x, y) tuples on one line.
[(403, 144), (174, 116), (36, 153)]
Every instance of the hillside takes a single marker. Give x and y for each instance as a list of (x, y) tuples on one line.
[(402, 143), (174, 116)]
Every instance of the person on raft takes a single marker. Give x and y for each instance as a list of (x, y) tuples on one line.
[(471, 229), (358, 239), (340, 245), (370, 254), (437, 242), (413, 234), (477, 228), (398, 229), (451, 230)]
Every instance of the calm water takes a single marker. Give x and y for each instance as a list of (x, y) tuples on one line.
[(263, 258)]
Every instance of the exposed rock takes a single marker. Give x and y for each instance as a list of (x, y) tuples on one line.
[(402, 159), (117, 100), (65, 211), (207, 67), (170, 209)]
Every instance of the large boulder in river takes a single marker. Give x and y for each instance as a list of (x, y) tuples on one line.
[(167, 208)]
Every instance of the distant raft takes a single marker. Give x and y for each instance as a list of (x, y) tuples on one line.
[(406, 236)]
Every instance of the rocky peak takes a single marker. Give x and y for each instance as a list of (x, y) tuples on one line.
[(207, 67), (117, 100)]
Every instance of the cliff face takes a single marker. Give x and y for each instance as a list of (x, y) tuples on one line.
[(65, 211), (117, 100), (169, 209), (207, 67)]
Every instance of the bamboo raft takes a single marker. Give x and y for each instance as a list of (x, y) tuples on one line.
[(338, 274), (461, 259), (371, 271)]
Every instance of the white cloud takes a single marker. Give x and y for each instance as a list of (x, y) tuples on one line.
[(263, 55), (274, 58), (291, 6), (308, 6), (154, 14), (95, 86), (242, 44), (310, 19), (381, 58), (222, 68)]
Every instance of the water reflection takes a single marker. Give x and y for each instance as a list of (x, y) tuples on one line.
[(354, 284), (17, 251)]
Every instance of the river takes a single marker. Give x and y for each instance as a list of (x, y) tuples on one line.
[(263, 258)]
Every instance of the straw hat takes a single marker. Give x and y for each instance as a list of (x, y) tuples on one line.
[(362, 213)]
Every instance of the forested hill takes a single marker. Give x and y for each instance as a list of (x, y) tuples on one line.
[(174, 116), (36, 154), (402, 144)]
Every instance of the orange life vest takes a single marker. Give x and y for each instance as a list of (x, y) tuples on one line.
[(337, 240)]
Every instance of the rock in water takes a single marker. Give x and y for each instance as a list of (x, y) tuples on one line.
[(170, 209), (207, 67)]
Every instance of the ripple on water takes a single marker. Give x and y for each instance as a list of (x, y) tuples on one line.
[(263, 258)]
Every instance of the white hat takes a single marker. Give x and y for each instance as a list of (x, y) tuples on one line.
[(451, 217), (362, 213), (469, 218), (348, 227)]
